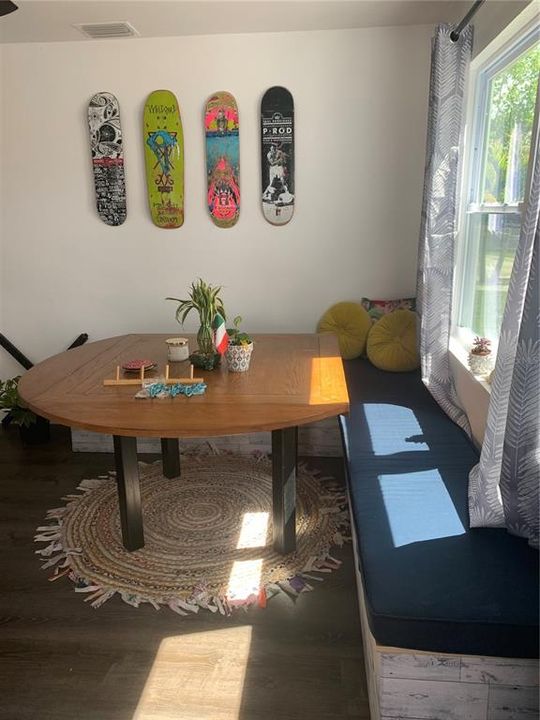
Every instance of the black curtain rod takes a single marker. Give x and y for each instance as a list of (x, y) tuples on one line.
[(454, 35)]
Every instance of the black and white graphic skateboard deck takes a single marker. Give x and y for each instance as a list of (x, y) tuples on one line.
[(277, 155), (107, 158)]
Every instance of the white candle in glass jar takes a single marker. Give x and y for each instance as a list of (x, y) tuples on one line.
[(177, 349)]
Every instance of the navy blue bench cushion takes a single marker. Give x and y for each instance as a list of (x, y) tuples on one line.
[(431, 582)]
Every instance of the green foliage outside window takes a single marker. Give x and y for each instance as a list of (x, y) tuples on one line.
[(511, 116), (504, 117)]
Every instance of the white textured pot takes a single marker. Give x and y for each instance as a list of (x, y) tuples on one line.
[(480, 364), (238, 357)]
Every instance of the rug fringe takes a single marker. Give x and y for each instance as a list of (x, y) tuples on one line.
[(58, 557)]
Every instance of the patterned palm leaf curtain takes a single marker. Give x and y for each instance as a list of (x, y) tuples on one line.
[(449, 68), (504, 486)]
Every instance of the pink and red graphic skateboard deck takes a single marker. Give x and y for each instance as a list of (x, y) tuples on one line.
[(222, 159)]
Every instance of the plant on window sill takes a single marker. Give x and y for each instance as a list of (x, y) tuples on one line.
[(480, 358)]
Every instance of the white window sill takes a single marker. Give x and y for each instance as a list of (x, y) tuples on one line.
[(473, 391), (461, 354)]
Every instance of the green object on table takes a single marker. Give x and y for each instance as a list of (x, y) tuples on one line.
[(205, 361)]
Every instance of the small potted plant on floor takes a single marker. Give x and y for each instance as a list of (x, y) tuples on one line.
[(480, 359), (205, 299), (33, 429), (239, 349)]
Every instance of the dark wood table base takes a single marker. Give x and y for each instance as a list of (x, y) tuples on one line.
[(284, 453), (170, 452), (129, 491)]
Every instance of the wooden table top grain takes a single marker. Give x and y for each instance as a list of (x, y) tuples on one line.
[(293, 379)]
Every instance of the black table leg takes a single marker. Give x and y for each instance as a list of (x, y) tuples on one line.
[(129, 493), (170, 452), (284, 448)]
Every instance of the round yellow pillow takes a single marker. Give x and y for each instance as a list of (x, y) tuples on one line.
[(391, 344), (351, 323)]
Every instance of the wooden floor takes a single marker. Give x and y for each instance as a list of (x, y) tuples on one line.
[(62, 660)]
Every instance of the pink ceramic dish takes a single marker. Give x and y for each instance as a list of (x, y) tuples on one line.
[(136, 365)]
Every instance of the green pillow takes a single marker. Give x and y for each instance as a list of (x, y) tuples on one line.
[(391, 343), (351, 324)]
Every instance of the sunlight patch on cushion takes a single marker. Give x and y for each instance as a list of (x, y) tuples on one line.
[(419, 507)]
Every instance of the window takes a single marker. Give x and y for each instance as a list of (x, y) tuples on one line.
[(503, 115)]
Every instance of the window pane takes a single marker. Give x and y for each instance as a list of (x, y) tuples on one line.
[(512, 97), (504, 116), (495, 237)]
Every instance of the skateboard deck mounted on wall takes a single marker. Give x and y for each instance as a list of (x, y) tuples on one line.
[(107, 157), (164, 158), (277, 155), (222, 159)]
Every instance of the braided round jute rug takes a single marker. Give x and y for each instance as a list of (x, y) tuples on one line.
[(208, 537)]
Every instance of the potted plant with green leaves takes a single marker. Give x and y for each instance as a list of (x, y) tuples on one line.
[(206, 301), (480, 359), (32, 428), (239, 349)]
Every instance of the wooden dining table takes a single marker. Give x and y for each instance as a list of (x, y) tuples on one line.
[(293, 379)]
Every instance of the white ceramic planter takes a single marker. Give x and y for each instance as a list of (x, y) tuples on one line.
[(238, 357), (480, 364)]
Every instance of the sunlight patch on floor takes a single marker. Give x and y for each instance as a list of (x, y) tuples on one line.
[(254, 530), (197, 676), (245, 579)]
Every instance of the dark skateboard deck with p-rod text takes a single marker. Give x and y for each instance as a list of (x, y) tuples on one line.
[(277, 155)]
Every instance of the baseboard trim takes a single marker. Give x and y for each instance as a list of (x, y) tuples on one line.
[(320, 439)]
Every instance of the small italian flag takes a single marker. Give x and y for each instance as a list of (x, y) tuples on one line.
[(221, 339)]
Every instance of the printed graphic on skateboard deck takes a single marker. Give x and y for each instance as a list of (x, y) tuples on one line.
[(107, 158), (222, 159), (164, 159), (277, 155)]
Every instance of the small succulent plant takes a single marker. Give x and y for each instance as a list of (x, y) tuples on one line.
[(481, 346), (236, 337)]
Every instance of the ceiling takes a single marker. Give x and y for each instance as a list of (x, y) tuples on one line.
[(53, 20)]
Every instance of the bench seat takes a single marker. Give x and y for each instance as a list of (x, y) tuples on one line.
[(430, 582)]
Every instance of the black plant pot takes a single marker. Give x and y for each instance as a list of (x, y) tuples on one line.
[(37, 433)]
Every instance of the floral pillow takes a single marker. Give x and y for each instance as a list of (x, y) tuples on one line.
[(378, 308)]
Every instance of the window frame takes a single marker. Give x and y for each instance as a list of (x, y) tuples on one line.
[(483, 70)]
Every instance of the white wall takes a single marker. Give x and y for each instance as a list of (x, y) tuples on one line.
[(1, 175), (361, 108), (8, 366), (492, 19)]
